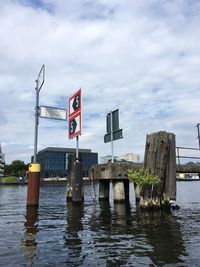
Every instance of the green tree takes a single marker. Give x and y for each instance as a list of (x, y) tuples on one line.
[(16, 168)]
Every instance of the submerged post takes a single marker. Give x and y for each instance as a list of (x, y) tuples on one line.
[(77, 182), (33, 185)]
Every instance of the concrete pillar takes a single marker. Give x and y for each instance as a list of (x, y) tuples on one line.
[(104, 189), (77, 182), (33, 190), (118, 191), (126, 189)]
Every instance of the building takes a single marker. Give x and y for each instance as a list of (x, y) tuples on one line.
[(2, 163), (127, 157), (54, 161), (107, 158), (131, 157)]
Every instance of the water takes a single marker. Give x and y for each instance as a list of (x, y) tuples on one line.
[(97, 234)]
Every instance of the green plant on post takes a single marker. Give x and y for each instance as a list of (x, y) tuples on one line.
[(142, 177)]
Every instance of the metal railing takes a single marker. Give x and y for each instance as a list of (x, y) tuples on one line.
[(178, 148)]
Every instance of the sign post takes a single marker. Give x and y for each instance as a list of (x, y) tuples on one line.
[(33, 190), (75, 128), (113, 131), (39, 84), (111, 135)]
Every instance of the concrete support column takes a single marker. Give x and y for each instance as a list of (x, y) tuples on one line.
[(33, 190), (77, 182), (104, 189), (118, 191), (126, 189)]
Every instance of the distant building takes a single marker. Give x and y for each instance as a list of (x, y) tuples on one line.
[(2, 162), (131, 157), (107, 158), (54, 161), (127, 157)]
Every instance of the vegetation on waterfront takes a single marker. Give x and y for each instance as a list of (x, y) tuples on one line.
[(16, 168), (9, 179), (142, 177)]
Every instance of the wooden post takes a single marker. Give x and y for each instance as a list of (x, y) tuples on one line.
[(160, 159), (70, 159), (77, 182)]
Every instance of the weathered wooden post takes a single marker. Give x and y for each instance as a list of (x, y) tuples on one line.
[(160, 159), (77, 182), (75, 188), (71, 159)]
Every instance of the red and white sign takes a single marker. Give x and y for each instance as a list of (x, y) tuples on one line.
[(74, 114), (75, 103), (75, 125)]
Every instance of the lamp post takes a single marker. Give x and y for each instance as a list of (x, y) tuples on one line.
[(33, 190), (39, 84)]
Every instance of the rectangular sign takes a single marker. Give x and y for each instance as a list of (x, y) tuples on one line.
[(116, 135), (74, 104), (53, 113), (40, 79), (75, 125), (115, 121)]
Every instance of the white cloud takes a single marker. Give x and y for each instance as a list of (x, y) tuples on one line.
[(142, 57)]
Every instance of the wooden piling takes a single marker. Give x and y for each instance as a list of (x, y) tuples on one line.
[(160, 159), (33, 190), (77, 182)]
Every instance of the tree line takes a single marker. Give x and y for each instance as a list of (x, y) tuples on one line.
[(17, 168)]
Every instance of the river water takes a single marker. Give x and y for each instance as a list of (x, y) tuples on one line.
[(95, 233)]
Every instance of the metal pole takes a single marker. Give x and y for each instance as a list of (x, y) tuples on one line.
[(198, 134), (178, 155), (111, 129), (36, 122), (77, 146)]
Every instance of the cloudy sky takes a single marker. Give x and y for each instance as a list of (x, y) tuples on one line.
[(141, 57)]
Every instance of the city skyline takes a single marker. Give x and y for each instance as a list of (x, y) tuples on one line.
[(139, 57)]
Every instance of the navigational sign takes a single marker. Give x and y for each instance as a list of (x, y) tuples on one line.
[(75, 125), (53, 113), (75, 103)]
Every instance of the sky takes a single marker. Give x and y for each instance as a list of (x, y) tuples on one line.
[(141, 57)]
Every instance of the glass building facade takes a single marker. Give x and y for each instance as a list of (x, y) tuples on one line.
[(55, 161)]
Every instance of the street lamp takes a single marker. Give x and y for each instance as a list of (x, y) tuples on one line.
[(39, 84)]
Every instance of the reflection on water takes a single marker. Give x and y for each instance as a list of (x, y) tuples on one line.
[(96, 233), (29, 243), (163, 233), (72, 239)]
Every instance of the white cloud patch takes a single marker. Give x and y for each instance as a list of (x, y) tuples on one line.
[(141, 56)]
